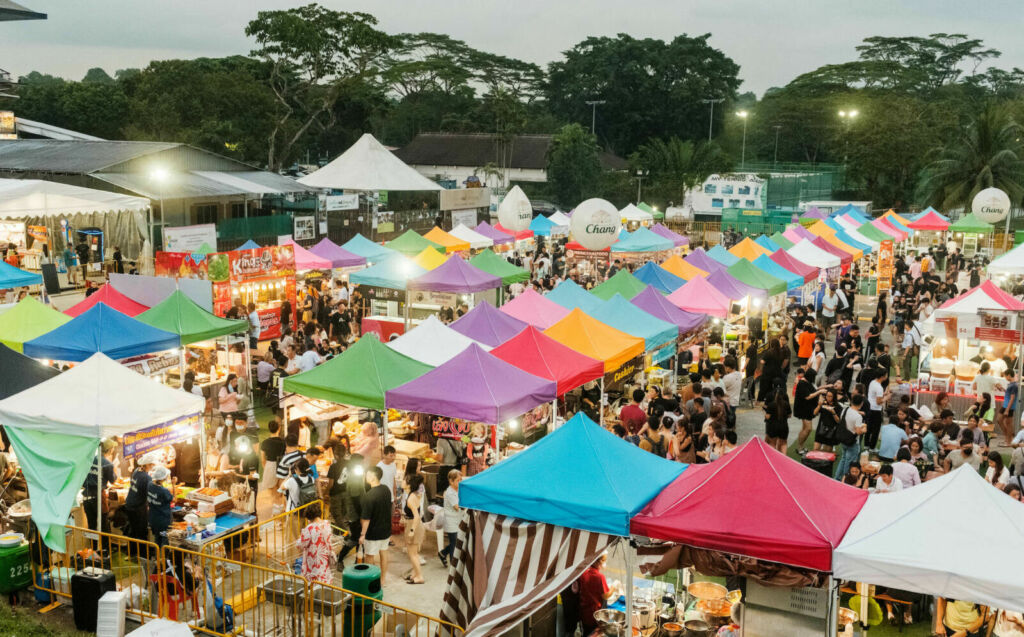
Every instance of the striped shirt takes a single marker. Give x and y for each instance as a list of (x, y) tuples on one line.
[(284, 466)]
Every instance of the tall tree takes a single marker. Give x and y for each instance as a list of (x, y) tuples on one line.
[(988, 153), (574, 165), (674, 166), (315, 54)]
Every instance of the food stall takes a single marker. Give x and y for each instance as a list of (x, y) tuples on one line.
[(383, 285), (973, 235), (589, 263), (536, 309), (524, 241), (683, 269), (264, 276), (640, 246), (659, 336), (829, 265), (503, 241), (929, 229), (28, 319), (680, 242)]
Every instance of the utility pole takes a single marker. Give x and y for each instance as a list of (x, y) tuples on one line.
[(743, 154), (711, 119), (593, 104), (775, 159)]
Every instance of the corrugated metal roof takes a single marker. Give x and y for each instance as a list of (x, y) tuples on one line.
[(198, 184), (77, 156)]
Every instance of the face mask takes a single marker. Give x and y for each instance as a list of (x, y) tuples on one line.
[(968, 451)]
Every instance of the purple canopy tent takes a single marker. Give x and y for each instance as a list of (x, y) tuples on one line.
[(337, 255), (814, 213), (676, 239), (732, 287), (700, 259), (455, 275), (493, 233), (655, 304), (803, 232), (488, 325), (489, 389)]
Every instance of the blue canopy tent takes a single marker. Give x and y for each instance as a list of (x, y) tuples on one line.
[(393, 273), (249, 245), (12, 277), (923, 213), (641, 240), (598, 491), (793, 280), (653, 274), (900, 226), (542, 226), (854, 211), (723, 256), (846, 237), (367, 249), (624, 316), (570, 295), (101, 329), (765, 242)]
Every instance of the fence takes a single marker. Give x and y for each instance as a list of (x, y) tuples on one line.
[(221, 595)]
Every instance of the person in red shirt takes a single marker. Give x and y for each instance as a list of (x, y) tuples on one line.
[(594, 593), (634, 418)]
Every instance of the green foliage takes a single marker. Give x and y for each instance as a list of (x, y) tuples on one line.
[(98, 76), (574, 166), (674, 166)]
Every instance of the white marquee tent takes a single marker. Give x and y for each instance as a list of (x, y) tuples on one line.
[(475, 240), (811, 254), (432, 342), (850, 228), (914, 540), (632, 213), (1010, 263), (39, 198), (367, 165)]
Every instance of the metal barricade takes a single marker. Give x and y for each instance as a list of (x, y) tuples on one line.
[(335, 612), (132, 562), (272, 543)]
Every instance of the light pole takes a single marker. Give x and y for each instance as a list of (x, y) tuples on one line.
[(847, 117), (775, 158), (593, 104), (743, 153), (158, 175), (711, 118)]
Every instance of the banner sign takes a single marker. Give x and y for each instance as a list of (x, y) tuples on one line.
[(144, 440), (462, 198), (617, 380), (341, 202), (190, 238), (885, 266), (451, 428), (180, 265), (997, 327), (262, 276)]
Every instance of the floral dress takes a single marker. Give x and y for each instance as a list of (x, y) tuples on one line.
[(317, 554)]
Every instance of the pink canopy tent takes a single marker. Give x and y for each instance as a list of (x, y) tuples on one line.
[(536, 309), (806, 270), (892, 231), (929, 221), (306, 260), (537, 353), (988, 295), (524, 234), (844, 257), (793, 235), (110, 297), (699, 296)]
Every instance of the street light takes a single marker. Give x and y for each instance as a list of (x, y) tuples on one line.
[(743, 154), (160, 176), (711, 118)]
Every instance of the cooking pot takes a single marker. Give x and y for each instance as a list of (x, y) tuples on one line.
[(645, 614), (612, 622), (696, 628)]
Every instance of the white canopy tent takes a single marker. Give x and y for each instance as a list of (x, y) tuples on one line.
[(811, 254), (432, 342), (1010, 263), (367, 165), (851, 229), (632, 213), (476, 240), (559, 218), (38, 198), (924, 539)]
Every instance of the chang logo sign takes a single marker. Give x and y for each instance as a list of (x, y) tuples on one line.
[(991, 205), (515, 211), (595, 224)]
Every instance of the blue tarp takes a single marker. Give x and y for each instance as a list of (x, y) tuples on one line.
[(579, 477), (12, 277), (765, 242), (723, 256), (624, 316), (367, 249), (570, 295), (642, 240), (855, 211), (792, 279), (653, 274), (393, 273), (249, 245), (541, 225), (101, 329)]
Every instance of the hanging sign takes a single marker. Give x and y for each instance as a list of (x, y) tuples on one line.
[(515, 211), (139, 442), (595, 224), (885, 266)]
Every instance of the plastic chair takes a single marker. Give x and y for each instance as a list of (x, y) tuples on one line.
[(172, 595), (939, 382)]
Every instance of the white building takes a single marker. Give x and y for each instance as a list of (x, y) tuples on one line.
[(735, 190)]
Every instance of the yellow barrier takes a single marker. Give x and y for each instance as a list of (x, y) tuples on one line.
[(271, 543), (368, 617)]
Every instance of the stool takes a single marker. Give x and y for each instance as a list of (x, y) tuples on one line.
[(938, 383)]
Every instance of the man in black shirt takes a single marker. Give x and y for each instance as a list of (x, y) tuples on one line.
[(93, 483), (135, 501), (159, 500), (375, 519), (272, 450), (341, 323)]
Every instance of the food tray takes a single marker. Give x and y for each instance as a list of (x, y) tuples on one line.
[(707, 590), (284, 592), (209, 494), (328, 601)]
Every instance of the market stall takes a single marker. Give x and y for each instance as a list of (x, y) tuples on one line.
[(766, 242), (535, 309), (536, 353), (845, 256), (523, 241), (748, 249), (100, 330), (570, 295), (683, 269), (449, 242), (429, 259), (633, 217), (383, 285), (658, 306), (774, 287), (973, 235), (623, 283), (363, 247), (475, 240), (849, 209), (659, 336), (410, 243), (264, 277), (823, 231), (488, 325), (655, 275), (680, 242), (828, 264), (812, 216), (502, 240), (641, 245), (589, 263), (850, 227), (28, 319), (12, 277), (1009, 263), (432, 342), (542, 226), (340, 258), (898, 221), (621, 353), (499, 266), (701, 297)]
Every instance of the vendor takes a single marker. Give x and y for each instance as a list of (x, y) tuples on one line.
[(159, 500), (98, 479), (135, 502), (594, 593)]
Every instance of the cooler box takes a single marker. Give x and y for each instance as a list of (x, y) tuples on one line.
[(87, 587), (15, 568), (820, 461)]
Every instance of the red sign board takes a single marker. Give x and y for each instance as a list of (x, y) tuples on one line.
[(996, 327)]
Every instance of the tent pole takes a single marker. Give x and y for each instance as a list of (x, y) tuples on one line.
[(629, 586), (202, 451), (832, 621), (385, 421), (99, 491), (181, 365), (600, 406)]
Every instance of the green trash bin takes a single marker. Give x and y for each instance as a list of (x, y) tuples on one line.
[(868, 286), (15, 568), (360, 614)]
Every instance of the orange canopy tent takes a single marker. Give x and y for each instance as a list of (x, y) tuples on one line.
[(592, 338), (891, 214), (749, 249), (822, 230), (451, 243), (678, 266)]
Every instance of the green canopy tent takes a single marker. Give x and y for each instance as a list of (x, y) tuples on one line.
[(873, 233), (781, 241), (498, 266), (750, 274), (623, 282), (972, 225), (410, 243), (27, 320), (657, 214), (181, 315)]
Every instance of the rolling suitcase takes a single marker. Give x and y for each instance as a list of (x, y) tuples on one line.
[(87, 587)]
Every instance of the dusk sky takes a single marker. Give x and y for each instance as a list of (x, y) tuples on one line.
[(772, 41)]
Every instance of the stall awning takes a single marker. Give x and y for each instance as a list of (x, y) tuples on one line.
[(653, 274), (431, 342), (681, 268), (752, 275), (367, 249), (1011, 262), (970, 223), (410, 243), (748, 249), (101, 329), (28, 319), (450, 243), (596, 491), (455, 275), (642, 240), (475, 240), (622, 283), (393, 273), (700, 259), (21, 372), (428, 259), (486, 324), (109, 296), (536, 353), (338, 256), (701, 297), (781, 241), (494, 234), (306, 260), (658, 306), (619, 313), (12, 277), (845, 256), (489, 389), (733, 288), (809, 253), (499, 266), (766, 242), (595, 339), (930, 220), (180, 315), (534, 308), (792, 279), (570, 295), (368, 165), (807, 271), (38, 198), (676, 238), (723, 256)]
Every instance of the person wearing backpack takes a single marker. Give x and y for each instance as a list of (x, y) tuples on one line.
[(851, 426), (300, 488)]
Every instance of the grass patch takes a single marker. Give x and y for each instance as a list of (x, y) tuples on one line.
[(26, 622)]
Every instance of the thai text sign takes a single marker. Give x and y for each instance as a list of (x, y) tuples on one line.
[(144, 440)]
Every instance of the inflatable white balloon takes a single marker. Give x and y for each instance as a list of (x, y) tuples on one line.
[(515, 211), (595, 224), (991, 205)]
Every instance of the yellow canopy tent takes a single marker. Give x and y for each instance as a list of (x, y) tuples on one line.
[(749, 249), (828, 234), (429, 259), (681, 268)]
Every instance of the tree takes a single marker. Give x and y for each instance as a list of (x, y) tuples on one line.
[(315, 55), (674, 166), (988, 153), (97, 76), (574, 165), (650, 88)]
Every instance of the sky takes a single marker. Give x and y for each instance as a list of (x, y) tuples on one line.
[(773, 41)]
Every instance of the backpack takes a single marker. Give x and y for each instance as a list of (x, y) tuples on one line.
[(843, 434), (307, 491), (657, 448)]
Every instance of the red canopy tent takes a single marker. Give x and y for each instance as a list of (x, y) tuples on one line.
[(929, 221), (524, 234), (807, 271), (537, 353), (107, 295), (754, 502), (573, 245), (843, 255)]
